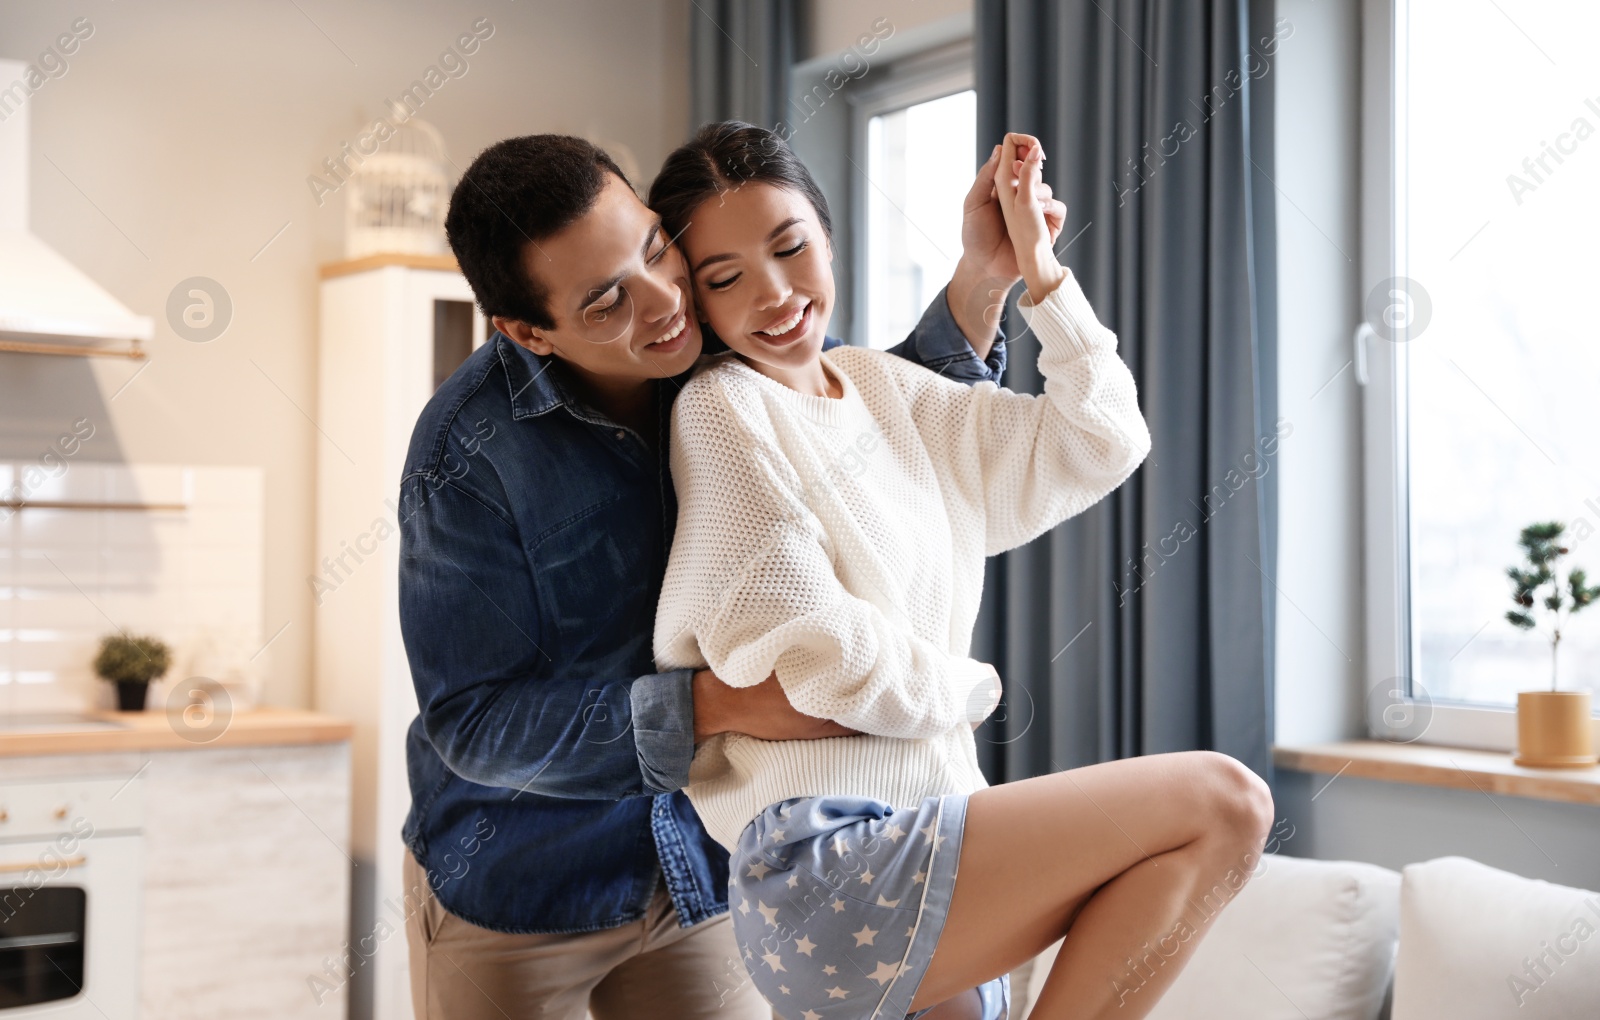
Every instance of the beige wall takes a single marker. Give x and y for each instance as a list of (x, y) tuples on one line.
[(178, 143), (837, 24)]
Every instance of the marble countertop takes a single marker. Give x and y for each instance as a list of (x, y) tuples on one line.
[(155, 730)]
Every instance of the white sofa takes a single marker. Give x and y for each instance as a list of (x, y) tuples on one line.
[(1447, 939)]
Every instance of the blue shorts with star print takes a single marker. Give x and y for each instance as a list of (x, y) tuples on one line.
[(838, 902)]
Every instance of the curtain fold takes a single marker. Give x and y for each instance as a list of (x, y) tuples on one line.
[(1146, 624), (740, 53)]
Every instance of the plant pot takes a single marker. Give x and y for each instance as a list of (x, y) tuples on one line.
[(131, 695), (1554, 730)]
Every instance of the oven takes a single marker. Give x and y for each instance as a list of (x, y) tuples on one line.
[(70, 878)]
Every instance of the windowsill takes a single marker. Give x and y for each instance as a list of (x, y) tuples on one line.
[(1434, 765)]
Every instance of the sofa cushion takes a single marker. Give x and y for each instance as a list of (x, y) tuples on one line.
[(1477, 942), (1302, 938)]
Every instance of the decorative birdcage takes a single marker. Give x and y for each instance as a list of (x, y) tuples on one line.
[(398, 196)]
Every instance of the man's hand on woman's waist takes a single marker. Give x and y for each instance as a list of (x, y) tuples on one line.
[(762, 711)]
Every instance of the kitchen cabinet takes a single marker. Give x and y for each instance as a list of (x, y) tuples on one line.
[(392, 328), (241, 881)]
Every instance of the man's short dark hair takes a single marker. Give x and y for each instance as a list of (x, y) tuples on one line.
[(519, 192)]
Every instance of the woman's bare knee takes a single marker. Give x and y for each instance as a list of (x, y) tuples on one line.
[(1239, 802)]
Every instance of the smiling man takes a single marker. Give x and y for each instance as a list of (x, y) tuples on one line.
[(557, 861)]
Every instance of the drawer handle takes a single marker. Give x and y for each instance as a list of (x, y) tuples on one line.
[(61, 938), (66, 862)]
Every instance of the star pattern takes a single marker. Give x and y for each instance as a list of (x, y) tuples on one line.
[(891, 831)]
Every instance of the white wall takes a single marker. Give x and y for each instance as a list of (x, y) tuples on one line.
[(178, 143), (836, 25), (1320, 629)]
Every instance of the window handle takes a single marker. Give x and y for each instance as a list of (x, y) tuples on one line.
[(1364, 332)]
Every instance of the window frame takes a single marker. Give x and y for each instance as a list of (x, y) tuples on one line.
[(918, 78), (1397, 707)]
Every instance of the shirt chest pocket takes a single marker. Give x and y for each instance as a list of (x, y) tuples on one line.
[(595, 577)]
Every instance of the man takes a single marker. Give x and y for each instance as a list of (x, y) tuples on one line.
[(565, 869)]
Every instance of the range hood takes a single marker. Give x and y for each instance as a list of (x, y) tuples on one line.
[(47, 305)]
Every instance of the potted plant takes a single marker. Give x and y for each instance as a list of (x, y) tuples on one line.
[(131, 662), (1553, 727)]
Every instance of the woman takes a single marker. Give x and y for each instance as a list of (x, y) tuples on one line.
[(834, 515)]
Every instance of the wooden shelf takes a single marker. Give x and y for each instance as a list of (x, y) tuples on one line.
[(1458, 768), (446, 263), (65, 350)]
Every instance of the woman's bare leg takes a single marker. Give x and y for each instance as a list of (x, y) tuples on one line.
[(965, 1006), (1129, 859)]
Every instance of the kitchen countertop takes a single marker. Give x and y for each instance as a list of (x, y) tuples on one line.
[(154, 731)]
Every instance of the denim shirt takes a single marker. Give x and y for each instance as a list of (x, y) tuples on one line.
[(548, 757)]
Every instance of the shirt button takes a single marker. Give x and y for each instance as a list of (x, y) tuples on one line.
[(621, 434)]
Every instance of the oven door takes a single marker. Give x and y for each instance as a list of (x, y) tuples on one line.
[(69, 929)]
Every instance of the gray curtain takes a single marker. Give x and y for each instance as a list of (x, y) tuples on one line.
[(740, 53), (1146, 624)]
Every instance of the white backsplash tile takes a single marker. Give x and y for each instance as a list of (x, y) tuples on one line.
[(191, 577)]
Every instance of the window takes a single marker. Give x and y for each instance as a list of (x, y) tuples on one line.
[(1482, 351), (915, 153), (919, 167)]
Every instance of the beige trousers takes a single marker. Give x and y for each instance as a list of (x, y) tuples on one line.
[(645, 970)]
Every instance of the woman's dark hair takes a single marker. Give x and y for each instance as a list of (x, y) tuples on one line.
[(722, 156), (516, 193)]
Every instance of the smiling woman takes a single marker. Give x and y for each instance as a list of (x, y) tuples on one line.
[(836, 508), (766, 293)]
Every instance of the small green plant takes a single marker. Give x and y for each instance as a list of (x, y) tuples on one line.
[(1542, 548), (131, 659)]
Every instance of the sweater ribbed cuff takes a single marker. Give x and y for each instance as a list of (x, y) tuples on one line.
[(1064, 319), (976, 688)]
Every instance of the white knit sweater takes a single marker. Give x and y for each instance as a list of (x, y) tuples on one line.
[(841, 543)]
